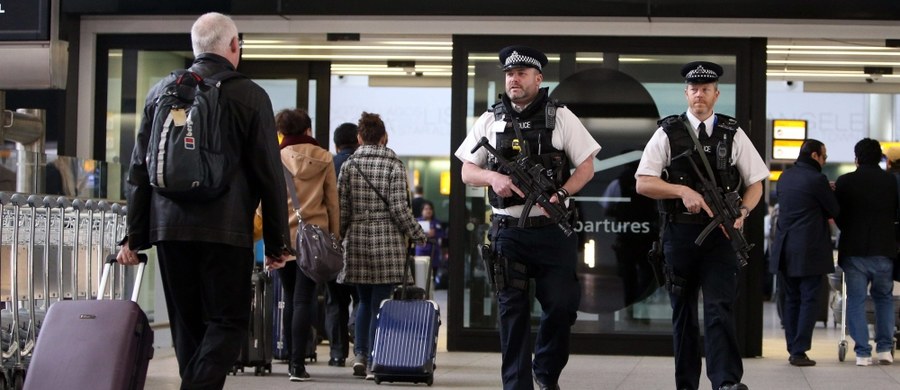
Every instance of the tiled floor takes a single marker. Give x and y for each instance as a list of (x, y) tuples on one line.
[(470, 370)]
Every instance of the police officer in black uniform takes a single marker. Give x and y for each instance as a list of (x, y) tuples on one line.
[(527, 121), (711, 267)]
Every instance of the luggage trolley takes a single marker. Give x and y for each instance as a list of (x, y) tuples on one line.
[(841, 290), (53, 249)]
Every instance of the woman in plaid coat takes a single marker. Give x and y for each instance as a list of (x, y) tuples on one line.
[(376, 223)]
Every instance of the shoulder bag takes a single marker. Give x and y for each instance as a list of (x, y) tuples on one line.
[(319, 254)]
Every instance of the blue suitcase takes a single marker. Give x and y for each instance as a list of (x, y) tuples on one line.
[(405, 341)]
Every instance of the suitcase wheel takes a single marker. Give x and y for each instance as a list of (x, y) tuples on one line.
[(377, 380), (430, 380)]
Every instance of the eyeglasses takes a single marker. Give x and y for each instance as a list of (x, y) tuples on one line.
[(241, 43)]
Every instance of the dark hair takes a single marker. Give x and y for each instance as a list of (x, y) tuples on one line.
[(371, 128), (811, 146), (345, 135), (292, 122), (868, 152)]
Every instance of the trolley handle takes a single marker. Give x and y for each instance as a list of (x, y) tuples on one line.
[(110, 259), (50, 202)]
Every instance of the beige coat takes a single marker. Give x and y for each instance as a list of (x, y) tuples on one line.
[(314, 177)]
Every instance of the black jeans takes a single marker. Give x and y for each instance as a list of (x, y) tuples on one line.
[(337, 317), (301, 311), (208, 297)]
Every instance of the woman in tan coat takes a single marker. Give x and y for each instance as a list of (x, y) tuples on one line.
[(314, 178), (376, 223)]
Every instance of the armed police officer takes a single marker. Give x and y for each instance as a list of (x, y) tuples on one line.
[(667, 173), (526, 121)]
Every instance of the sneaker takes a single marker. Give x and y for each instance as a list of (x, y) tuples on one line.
[(885, 358), (359, 366), (370, 376), (864, 361), (299, 375)]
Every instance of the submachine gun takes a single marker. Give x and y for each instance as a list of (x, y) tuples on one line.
[(534, 181), (725, 208)]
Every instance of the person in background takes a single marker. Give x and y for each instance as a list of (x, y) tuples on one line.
[(802, 251), (345, 143), (377, 224), (712, 267), (539, 248), (205, 248), (312, 171), (418, 200), (866, 249), (338, 297), (436, 232)]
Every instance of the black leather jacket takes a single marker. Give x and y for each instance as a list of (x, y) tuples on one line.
[(227, 219)]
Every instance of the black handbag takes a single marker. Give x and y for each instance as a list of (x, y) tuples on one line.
[(319, 254)]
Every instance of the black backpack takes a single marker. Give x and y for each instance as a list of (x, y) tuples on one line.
[(185, 158)]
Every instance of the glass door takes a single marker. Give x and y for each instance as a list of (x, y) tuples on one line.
[(619, 90)]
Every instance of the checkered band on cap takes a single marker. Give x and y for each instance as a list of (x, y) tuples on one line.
[(701, 73), (519, 59)]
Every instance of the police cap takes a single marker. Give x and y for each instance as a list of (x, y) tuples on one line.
[(522, 56), (701, 72)]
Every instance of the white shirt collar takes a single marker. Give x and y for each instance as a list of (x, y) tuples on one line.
[(695, 123)]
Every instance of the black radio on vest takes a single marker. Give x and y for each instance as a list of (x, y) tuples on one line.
[(722, 153)]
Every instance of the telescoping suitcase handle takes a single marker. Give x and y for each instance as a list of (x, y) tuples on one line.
[(110, 259)]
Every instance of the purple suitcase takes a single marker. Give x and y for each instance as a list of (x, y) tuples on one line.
[(405, 341), (93, 344)]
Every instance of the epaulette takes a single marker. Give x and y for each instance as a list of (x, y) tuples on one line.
[(499, 110), (726, 122), (669, 120)]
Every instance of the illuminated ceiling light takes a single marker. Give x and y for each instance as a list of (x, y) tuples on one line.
[(822, 74), (342, 47), (824, 62), (405, 43), (812, 47), (345, 57), (834, 53)]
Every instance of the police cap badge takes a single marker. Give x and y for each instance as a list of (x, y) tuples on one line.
[(701, 72), (522, 56)]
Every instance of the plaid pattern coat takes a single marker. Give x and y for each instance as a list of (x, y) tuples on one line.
[(375, 234)]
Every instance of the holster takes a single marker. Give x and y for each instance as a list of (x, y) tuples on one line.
[(502, 272), (498, 271), (657, 262), (674, 283)]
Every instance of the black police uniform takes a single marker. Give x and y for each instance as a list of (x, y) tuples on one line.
[(711, 267), (543, 251)]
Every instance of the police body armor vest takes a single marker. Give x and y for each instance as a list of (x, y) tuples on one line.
[(536, 123), (680, 171)]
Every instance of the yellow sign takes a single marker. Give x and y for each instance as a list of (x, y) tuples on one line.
[(774, 175), (785, 150), (788, 129), (445, 183)]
